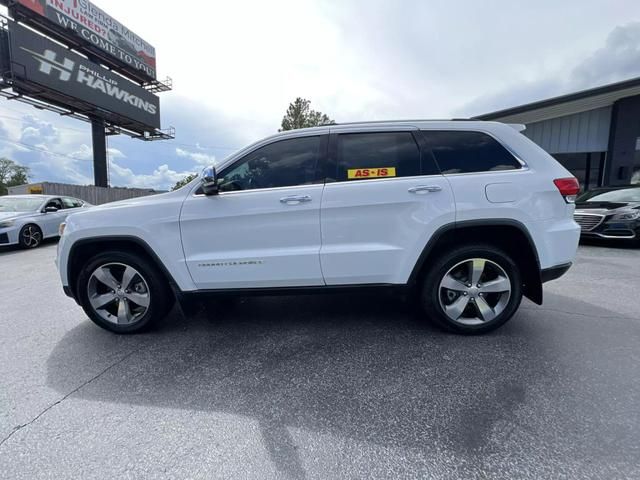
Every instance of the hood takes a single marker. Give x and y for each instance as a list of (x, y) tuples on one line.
[(128, 202), (132, 202), (14, 215)]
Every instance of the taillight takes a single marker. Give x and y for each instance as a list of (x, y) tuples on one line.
[(568, 187)]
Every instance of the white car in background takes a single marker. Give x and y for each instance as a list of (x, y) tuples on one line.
[(26, 220)]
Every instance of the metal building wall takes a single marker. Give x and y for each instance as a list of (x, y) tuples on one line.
[(578, 133)]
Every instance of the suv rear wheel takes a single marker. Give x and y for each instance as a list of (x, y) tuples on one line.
[(123, 293), (472, 289)]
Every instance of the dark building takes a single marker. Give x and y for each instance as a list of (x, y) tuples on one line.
[(594, 133)]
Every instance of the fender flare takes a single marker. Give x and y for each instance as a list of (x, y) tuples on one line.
[(533, 287), (116, 238)]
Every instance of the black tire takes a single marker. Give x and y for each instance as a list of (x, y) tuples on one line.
[(30, 236), (432, 299), (161, 298)]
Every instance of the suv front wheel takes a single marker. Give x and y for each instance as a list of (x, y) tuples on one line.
[(472, 289), (123, 293)]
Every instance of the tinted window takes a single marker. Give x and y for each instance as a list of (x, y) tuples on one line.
[(280, 164), (370, 155), (54, 203), (71, 202), (464, 152)]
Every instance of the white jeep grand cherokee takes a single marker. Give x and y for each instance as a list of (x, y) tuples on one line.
[(469, 215)]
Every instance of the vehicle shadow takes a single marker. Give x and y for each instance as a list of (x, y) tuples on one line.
[(15, 249), (357, 366)]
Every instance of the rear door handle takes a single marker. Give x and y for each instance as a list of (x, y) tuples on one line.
[(295, 199), (425, 189)]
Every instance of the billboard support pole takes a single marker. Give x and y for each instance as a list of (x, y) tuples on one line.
[(99, 138)]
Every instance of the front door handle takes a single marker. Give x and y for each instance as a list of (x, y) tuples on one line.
[(295, 199), (425, 189)]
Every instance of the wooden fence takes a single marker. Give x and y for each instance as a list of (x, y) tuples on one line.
[(88, 193)]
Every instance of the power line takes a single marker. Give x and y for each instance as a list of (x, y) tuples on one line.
[(42, 150), (196, 146), (86, 131), (170, 145)]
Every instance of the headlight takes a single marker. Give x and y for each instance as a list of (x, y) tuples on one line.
[(7, 223), (61, 228), (627, 216)]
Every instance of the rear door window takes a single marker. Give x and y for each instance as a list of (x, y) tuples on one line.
[(69, 202), (362, 156), (469, 152)]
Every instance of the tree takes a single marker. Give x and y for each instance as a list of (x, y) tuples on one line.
[(184, 181), (11, 175), (300, 115)]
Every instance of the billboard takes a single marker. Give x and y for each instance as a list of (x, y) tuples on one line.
[(38, 60), (82, 20)]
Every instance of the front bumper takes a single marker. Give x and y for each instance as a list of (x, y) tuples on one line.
[(606, 227), (617, 232), (8, 236)]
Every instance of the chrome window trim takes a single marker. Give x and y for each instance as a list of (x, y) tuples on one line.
[(382, 179), (236, 192)]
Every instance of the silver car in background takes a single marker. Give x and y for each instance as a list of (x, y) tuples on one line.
[(26, 220)]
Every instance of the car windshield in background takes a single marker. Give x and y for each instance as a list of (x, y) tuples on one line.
[(9, 204), (618, 195)]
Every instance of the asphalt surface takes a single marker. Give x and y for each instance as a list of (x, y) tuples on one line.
[(323, 387)]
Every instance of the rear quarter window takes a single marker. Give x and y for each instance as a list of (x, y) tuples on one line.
[(469, 152)]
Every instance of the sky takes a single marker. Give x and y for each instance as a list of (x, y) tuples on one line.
[(236, 65)]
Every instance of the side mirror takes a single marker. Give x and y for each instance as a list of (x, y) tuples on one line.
[(209, 181), (50, 209)]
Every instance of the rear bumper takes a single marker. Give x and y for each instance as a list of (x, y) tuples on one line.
[(553, 273)]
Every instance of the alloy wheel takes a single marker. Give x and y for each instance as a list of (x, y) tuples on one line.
[(118, 293), (474, 291), (31, 236)]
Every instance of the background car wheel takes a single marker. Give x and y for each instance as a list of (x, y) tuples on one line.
[(30, 236), (472, 289), (123, 293)]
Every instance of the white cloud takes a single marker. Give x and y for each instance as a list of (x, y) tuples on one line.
[(202, 159), (234, 74), (364, 59), (162, 178), (38, 132), (618, 59)]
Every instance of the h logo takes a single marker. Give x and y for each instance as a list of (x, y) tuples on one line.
[(48, 63)]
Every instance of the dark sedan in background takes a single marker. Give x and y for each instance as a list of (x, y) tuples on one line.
[(610, 213)]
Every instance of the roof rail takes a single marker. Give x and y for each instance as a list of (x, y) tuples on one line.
[(402, 121)]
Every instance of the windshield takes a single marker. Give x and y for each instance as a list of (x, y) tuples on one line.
[(17, 204), (619, 195)]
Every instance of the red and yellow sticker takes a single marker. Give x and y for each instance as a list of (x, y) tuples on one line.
[(356, 173)]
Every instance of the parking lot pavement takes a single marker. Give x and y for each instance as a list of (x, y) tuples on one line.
[(323, 387)]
